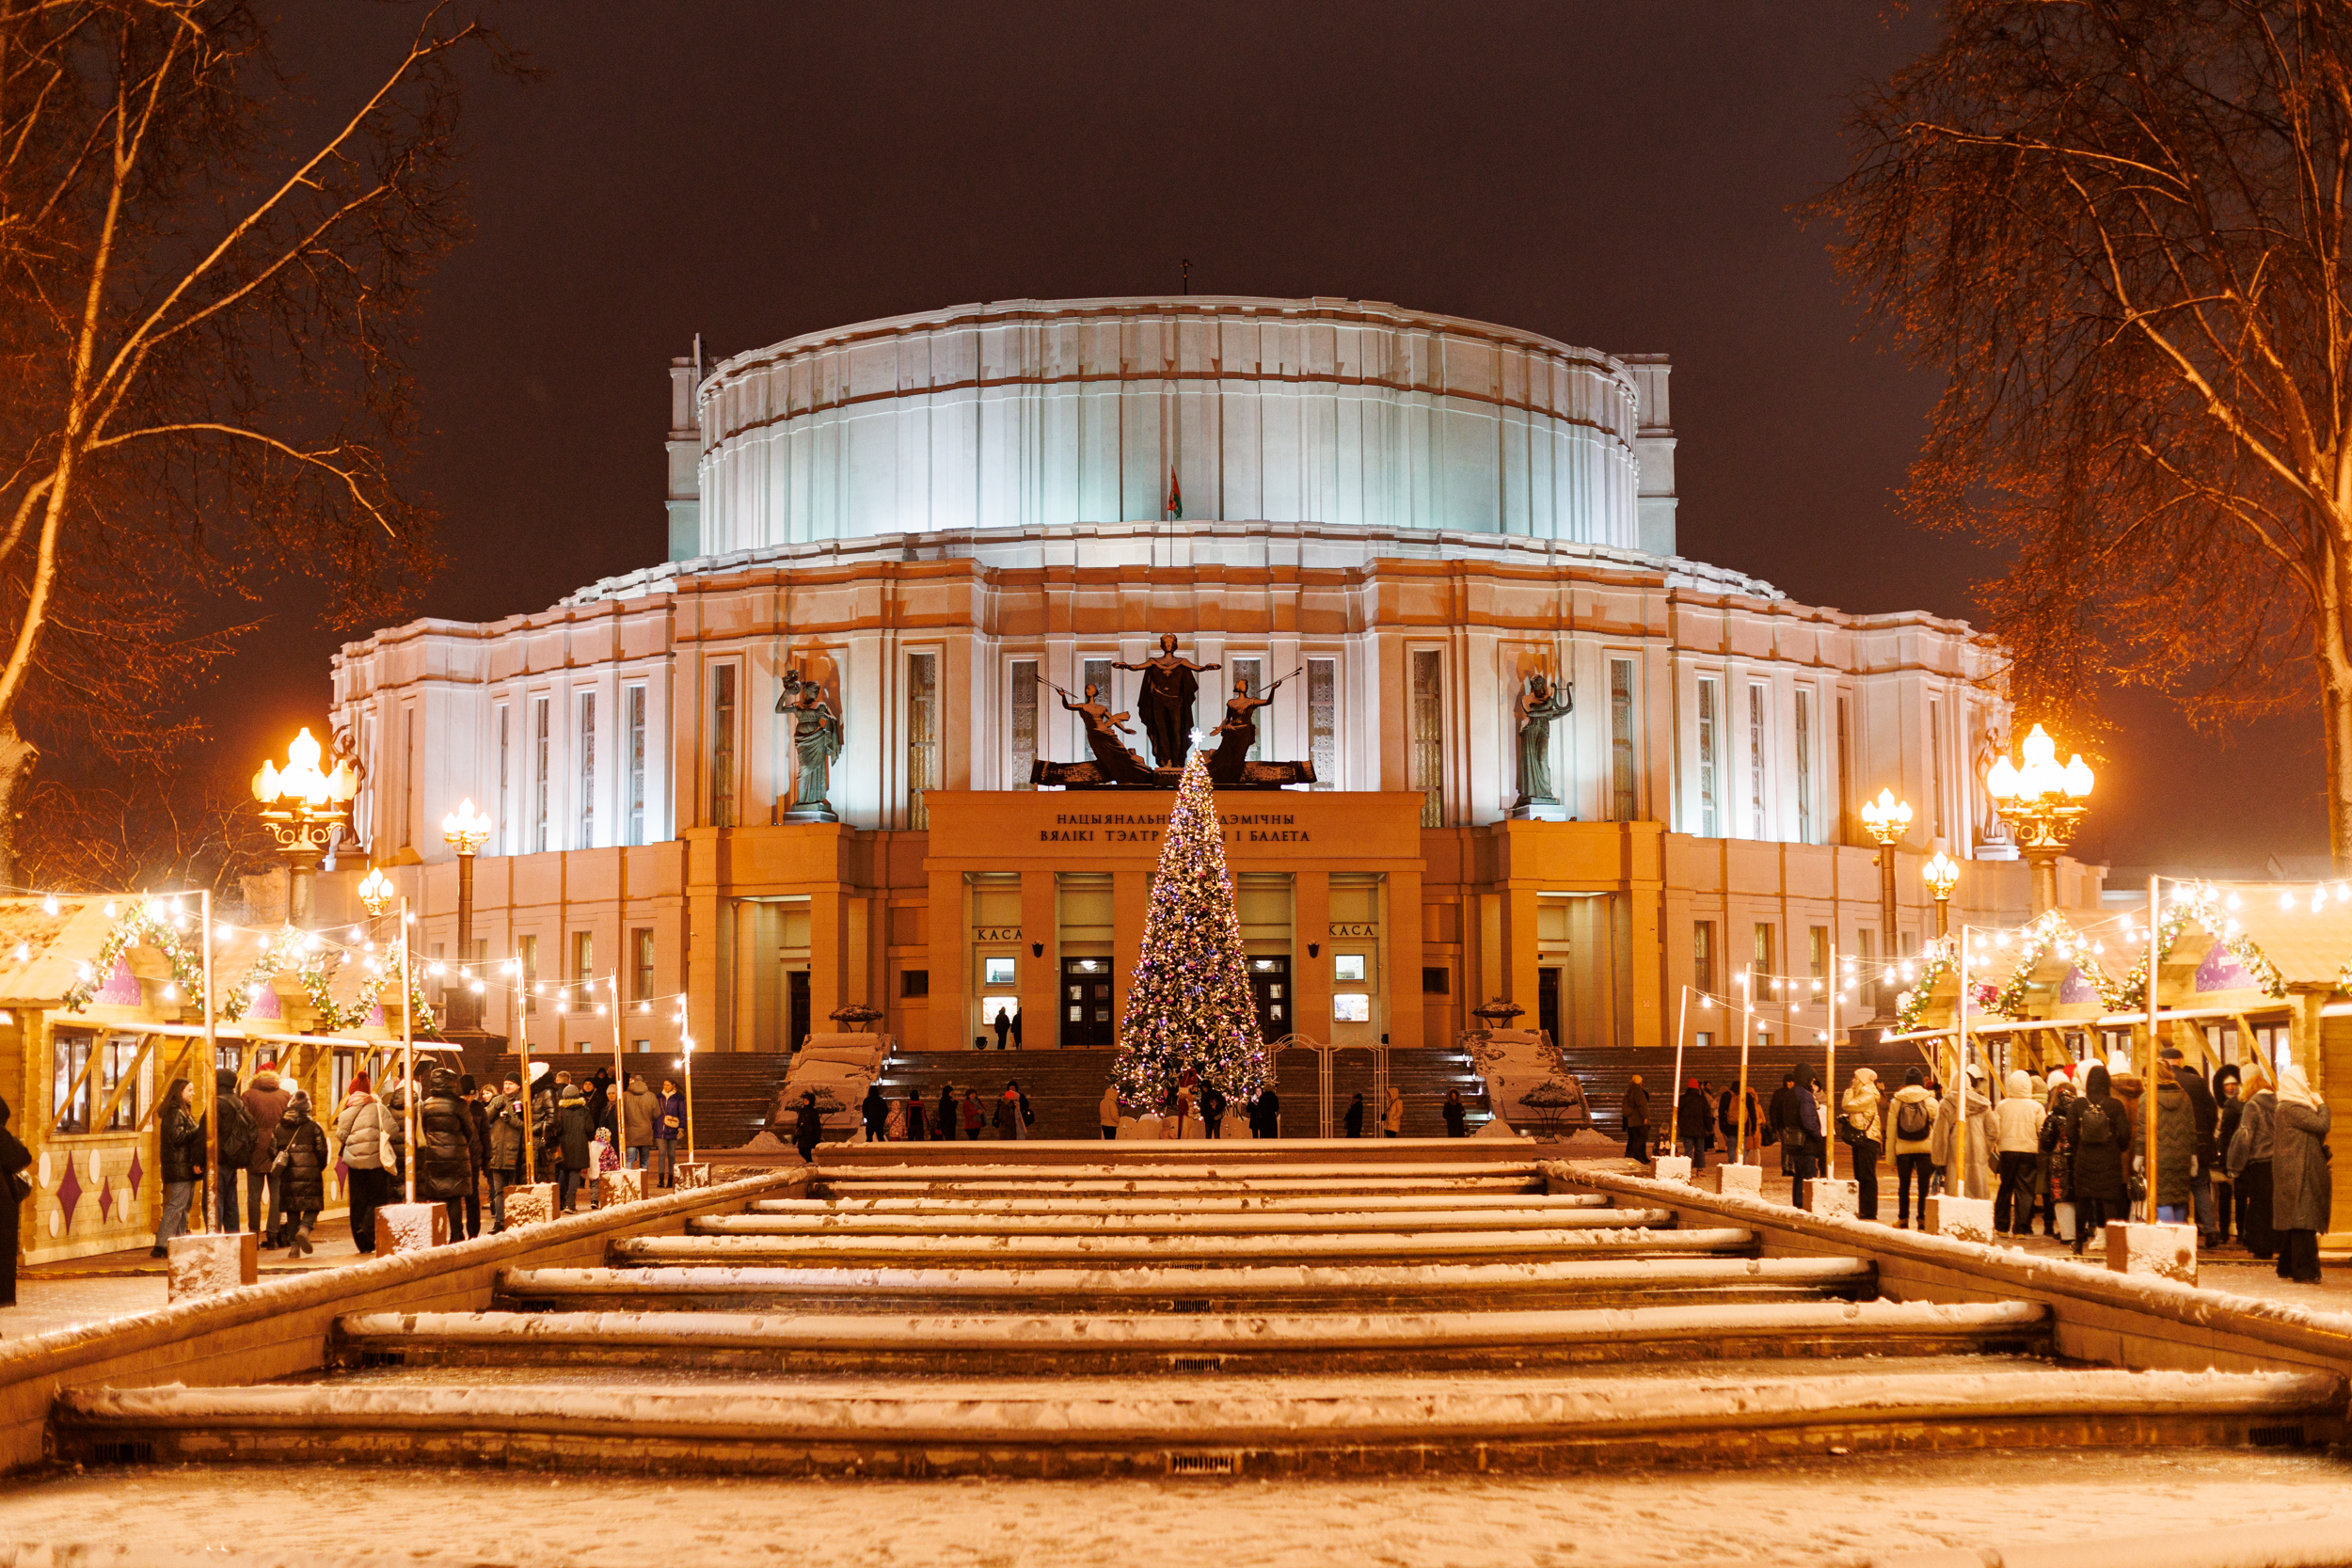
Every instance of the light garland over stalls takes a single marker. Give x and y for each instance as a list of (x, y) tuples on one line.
[(1190, 1005), (2205, 905), (152, 923)]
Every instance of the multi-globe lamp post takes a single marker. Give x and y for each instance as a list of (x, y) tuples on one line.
[(1942, 875), (2042, 804), (466, 831), (304, 808), (1885, 818)]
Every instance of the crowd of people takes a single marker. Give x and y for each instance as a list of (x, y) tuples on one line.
[(2070, 1147), (470, 1143)]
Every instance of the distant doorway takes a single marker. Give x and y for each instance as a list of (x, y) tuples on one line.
[(795, 982), (1086, 1004), (1548, 1002), (1270, 988)]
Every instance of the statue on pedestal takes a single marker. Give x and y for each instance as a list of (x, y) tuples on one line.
[(1113, 757), (1538, 705), (1172, 691), (816, 742)]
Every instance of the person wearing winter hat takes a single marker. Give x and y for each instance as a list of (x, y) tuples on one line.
[(2299, 1189), (363, 1130), (1863, 1130), (2017, 1125), (2099, 1133), (237, 1137), (265, 1101), (1635, 1118), (1976, 1179), (1911, 1124)]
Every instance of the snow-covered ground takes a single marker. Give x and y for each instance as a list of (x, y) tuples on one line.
[(2146, 1509)]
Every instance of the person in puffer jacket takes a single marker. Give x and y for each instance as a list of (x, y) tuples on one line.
[(449, 1159), (1910, 1118), (364, 1130), (2017, 1126), (299, 1161)]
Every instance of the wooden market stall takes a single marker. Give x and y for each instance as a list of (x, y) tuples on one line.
[(102, 1007)]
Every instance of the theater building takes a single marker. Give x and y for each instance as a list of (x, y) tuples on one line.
[(934, 526)]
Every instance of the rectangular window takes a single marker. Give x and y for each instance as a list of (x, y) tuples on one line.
[(119, 1069), (506, 782), (584, 969), (370, 800), (1804, 766), (1348, 967), (70, 1099), (1702, 955), (636, 700), (1351, 1007), (1757, 824), (539, 706), (1764, 949), (641, 977), (922, 736), (408, 775), (997, 971), (1249, 673), (1866, 943), (1323, 720), (918, 982), (1428, 719), (1095, 672), (1024, 722), (587, 839), (530, 946), (1709, 745), (1437, 980), (1935, 763), (1817, 950), (1622, 806), (1845, 772), (722, 745)]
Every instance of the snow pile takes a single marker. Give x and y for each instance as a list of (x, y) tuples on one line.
[(1962, 1219), (208, 1264), (2168, 1251), (411, 1226), (530, 1205), (1837, 1199)]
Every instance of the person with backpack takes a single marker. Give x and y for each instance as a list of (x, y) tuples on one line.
[(363, 1130), (1913, 1113), (1862, 1128), (2057, 1161), (2099, 1130), (238, 1135)]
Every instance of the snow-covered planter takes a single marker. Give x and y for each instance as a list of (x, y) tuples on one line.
[(620, 1186), (1672, 1167), (530, 1205), (1964, 1219), (208, 1264), (693, 1172), (1138, 1127), (2167, 1251), (411, 1226), (1747, 1179), (1824, 1197)]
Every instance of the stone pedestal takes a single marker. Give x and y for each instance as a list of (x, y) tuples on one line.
[(2166, 1251), (1740, 1181), (209, 1264), (1672, 1167), (1964, 1219), (530, 1205), (410, 1227), (620, 1186), (695, 1173), (1833, 1199)]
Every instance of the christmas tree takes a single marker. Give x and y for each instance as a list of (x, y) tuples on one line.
[(1189, 1005)]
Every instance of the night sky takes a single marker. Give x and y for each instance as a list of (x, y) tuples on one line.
[(1610, 175)]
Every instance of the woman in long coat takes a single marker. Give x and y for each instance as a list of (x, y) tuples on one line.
[(2299, 1198)]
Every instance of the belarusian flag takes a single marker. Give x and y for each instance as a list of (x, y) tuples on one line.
[(1175, 495)]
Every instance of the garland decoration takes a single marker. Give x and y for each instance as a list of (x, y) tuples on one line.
[(316, 969), (154, 923), (2202, 905), (1939, 957)]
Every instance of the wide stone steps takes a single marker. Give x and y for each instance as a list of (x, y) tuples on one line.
[(1059, 1343), (1175, 1184), (1554, 1283), (1243, 1425), (1219, 1203), (1370, 1246), (1077, 1221)]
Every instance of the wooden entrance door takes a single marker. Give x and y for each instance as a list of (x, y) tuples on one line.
[(1086, 1004)]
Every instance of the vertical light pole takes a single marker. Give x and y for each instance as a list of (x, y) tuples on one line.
[(1739, 1106), (1830, 1067), (466, 831), (303, 808), (1942, 875), (522, 1056), (376, 891), (1885, 818), (2043, 804), (213, 1185), (686, 1052)]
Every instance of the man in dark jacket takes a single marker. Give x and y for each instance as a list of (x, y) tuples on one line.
[(1694, 1124), (1636, 1120), (876, 1112), (448, 1160), (1266, 1114), (2206, 1116), (808, 1126), (1212, 1108), (266, 1100), (569, 1145), (478, 1111), (2099, 1130), (502, 1150), (238, 1135), (947, 1111)]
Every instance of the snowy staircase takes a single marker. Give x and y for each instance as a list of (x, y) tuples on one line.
[(1311, 1308)]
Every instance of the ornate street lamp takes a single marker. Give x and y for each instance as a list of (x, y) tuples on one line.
[(2042, 804), (465, 830), (304, 808), (1942, 875), (1886, 817)]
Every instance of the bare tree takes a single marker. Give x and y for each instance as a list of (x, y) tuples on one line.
[(2117, 228), (202, 319)]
